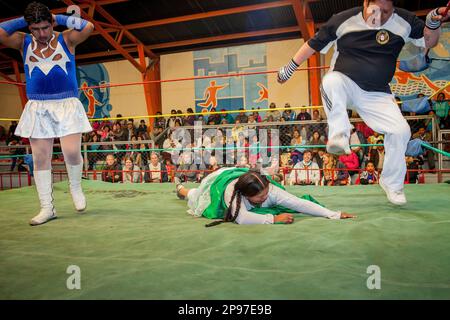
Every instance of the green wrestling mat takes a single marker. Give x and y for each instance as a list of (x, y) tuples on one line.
[(138, 242)]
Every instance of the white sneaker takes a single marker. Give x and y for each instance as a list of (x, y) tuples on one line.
[(74, 173), (338, 145), (395, 197), (45, 215), (43, 182)]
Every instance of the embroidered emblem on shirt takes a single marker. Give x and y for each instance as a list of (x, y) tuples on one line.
[(382, 37)]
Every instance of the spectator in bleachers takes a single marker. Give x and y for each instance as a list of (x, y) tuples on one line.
[(160, 121), (425, 135), (157, 137), (105, 122), (131, 173), (157, 170), (132, 148), (119, 134), (289, 114), (317, 125), (303, 115), (187, 169), (305, 172), (368, 176), (357, 138), (214, 117), (377, 156), (364, 129), (441, 106), (227, 116), (16, 152), (142, 129), (178, 123), (315, 140), (241, 117), (318, 157), (230, 151), (276, 115), (343, 176), (254, 151), (304, 132), (180, 117), (297, 153), (285, 133), (132, 122), (171, 121), (85, 137), (251, 122), (428, 123), (141, 159), (121, 121), (170, 143), (213, 166), (374, 139), (93, 156), (329, 174), (268, 118), (256, 115), (237, 129), (11, 130), (242, 146), (106, 134), (112, 172), (350, 162), (412, 165), (189, 120), (96, 126), (243, 162), (170, 169)]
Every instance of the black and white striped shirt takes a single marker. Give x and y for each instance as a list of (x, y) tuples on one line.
[(368, 55)]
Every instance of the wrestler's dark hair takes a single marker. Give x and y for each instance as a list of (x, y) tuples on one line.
[(248, 185), (394, 1), (36, 12)]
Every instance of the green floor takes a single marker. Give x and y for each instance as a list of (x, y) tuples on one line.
[(137, 242)]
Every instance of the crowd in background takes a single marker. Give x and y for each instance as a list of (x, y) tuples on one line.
[(301, 155)]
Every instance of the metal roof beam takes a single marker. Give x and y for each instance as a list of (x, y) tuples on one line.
[(209, 14), (175, 44), (108, 38)]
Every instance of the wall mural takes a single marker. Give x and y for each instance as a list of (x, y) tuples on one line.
[(95, 101), (408, 85), (231, 93)]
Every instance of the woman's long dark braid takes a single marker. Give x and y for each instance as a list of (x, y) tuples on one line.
[(229, 217), (244, 183)]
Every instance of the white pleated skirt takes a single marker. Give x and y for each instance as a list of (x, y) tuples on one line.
[(200, 198), (52, 119)]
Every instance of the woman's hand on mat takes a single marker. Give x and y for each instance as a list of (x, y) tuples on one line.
[(345, 215), (285, 218)]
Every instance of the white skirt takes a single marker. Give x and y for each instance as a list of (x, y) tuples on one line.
[(199, 198), (52, 119)]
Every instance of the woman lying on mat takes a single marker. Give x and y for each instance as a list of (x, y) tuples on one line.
[(254, 199)]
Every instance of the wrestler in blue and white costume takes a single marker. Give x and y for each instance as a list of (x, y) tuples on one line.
[(53, 109)]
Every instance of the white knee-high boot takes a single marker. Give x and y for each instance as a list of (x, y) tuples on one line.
[(74, 173), (43, 181)]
